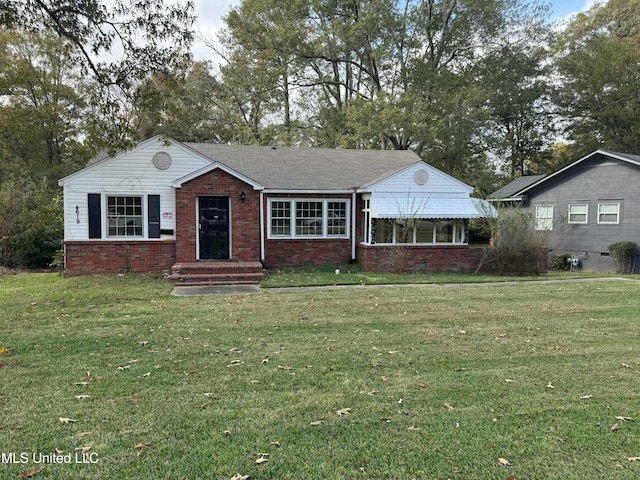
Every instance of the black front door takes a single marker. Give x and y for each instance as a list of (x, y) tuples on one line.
[(213, 221)]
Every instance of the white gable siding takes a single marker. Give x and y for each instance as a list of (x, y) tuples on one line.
[(128, 173), (421, 191), (438, 183)]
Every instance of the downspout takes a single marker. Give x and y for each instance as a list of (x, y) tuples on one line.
[(353, 226), (262, 227)]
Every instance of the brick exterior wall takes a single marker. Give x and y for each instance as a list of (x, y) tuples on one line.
[(418, 258), (290, 252), (109, 257), (245, 216)]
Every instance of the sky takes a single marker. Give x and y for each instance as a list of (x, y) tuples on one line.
[(211, 12)]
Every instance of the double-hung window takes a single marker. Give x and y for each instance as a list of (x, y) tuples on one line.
[(608, 213), (308, 218), (544, 217), (125, 216), (578, 213)]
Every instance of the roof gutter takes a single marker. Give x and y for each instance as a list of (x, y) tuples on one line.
[(282, 191)]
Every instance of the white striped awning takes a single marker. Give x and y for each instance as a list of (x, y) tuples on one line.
[(394, 205)]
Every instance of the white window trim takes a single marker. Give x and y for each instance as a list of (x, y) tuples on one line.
[(105, 217), (537, 218), (617, 213), (325, 218), (586, 213)]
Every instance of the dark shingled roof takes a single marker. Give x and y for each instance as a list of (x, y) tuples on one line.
[(518, 184), (290, 168)]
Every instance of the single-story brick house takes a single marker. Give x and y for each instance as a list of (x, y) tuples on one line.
[(585, 207), (220, 213)]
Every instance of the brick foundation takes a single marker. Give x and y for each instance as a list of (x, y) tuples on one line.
[(419, 258), (298, 252), (109, 257)]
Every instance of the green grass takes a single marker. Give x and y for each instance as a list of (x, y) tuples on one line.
[(277, 362), (353, 275)]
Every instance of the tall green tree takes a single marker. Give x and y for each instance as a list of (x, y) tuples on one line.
[(394, 74), (41, 111), (521, 127), (117, 41), (597, 60), (182, 103)]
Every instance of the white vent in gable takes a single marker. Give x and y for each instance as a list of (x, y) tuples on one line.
[(421, 176), (162, 160)]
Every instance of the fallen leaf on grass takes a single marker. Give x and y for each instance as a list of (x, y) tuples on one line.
[(504, 461), (508, 380), (139, 448), (550, 386), (4, 351), (614, 427), (423, 385), (237, 476), (373, 392), (623, 419), (625, 365), (212, 396), (281, 367), (263, 458), (449, 406), (586, 397), (81, 397), (633, 459), (83, 449), (275, 444), (147, 374), (30, 473), (316, 423), (414, 429), (66, 420), (343, 411)]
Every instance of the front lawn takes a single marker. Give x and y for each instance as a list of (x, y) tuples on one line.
[(353, 275), (536, 381)]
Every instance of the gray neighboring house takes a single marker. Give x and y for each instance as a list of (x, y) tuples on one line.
[(586, 206)]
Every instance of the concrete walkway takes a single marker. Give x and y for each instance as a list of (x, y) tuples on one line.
[(186, 291), (198, 291)]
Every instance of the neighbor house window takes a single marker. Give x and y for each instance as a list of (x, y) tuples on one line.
[(578, 213), (124, 216), (608, 213), (308, 218), (544, 217)]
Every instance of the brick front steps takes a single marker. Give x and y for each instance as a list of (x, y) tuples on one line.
[(216, 273)]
